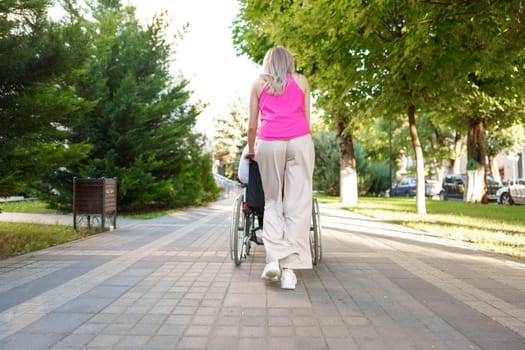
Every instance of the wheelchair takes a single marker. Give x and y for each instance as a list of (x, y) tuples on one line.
[(246, 221)]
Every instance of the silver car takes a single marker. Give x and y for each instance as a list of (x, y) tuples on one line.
[(432, 188), (512, 193)]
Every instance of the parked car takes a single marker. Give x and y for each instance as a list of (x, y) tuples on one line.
[(492, 188), (404, 188), (407, 188), (454, 187), (432, 188), (512, 194)]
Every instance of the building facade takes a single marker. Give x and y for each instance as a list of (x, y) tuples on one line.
[(512, 166)]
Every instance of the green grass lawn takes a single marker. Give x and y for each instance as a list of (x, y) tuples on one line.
[(21, 238), (27, 206), (492, 227), (39, 207)]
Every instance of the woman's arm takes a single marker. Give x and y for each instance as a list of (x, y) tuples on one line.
[(302, 81), (253, 121)]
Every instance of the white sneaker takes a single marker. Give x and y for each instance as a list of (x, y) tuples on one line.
[(271, 271), (288, 279)]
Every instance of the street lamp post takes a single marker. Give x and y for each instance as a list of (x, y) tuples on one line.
[(390, 154)]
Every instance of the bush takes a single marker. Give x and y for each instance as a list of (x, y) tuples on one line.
[(326, 170), (372, 175), (374, 180)]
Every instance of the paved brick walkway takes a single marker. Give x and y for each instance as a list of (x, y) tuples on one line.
[(169, 283)]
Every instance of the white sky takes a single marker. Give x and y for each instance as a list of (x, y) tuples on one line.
[(205, 56)]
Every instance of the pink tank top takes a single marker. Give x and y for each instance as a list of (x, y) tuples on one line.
[(283, 116)]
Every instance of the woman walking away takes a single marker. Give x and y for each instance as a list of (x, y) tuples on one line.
[(280, 98)]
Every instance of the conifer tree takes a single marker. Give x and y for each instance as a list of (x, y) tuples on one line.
[(38, 58), (142, 127)]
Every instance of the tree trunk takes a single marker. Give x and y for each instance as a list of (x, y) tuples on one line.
[(455, 165), (347, 164), (440, 169), (421, 207), (476, 186)]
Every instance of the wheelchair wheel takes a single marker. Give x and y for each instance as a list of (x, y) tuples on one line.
[(234, 221), (237, 229), (315, 233), (236, 224)]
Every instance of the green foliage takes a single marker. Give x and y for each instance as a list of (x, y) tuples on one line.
[(326, 169), (140, 129), (250, 36), (505, 140), (437, 140), (373, 174), (453, 62), (230, 138), (38, 58)]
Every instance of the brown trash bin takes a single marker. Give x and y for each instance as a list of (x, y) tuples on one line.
[(95, 199)]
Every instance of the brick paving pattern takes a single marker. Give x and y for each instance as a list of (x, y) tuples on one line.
[(169, 283)]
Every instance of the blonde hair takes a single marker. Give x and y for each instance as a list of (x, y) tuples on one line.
[(277, 62)]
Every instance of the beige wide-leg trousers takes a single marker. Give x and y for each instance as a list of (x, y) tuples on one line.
[(286, 172)]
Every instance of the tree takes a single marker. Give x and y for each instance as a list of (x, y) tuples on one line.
[(141, 127), (372, 164), (439, 143), (326, 169), (230, 137), (392, 57), (352, 62), (503, 140), (484, 41), (261, 24), (38, 60)]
